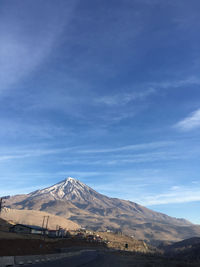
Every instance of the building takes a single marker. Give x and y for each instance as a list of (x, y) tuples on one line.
[(28, 229), (58, 233), (52, 233)]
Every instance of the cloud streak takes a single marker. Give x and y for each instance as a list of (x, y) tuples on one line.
[(76, 155), (124, 99), (177, 194), (24, 47), (190, 122), (143, 146), (190, 80), (28, 153)]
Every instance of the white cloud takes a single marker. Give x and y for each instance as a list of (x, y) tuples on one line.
[(191, 80), (147, 157), (27, 152), (123, 99), (19, 153), (191, 122), (143, 146), (153, 88), (24, 47), (40, 129), (177, 194)]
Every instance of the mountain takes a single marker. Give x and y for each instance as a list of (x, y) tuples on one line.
[(78, 202), (187, 250)]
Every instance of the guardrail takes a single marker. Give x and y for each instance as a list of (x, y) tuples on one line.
[(6, 261)]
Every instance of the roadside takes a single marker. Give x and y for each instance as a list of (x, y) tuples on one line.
[(17, 247)]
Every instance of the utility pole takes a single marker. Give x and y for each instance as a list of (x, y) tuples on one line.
[(58, 230), (1, 203), (45, 224)]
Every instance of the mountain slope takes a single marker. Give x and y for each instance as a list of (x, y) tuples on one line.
[(33, 217), (78, 202)]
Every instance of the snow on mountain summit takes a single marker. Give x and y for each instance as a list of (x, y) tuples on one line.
[(70, 188)]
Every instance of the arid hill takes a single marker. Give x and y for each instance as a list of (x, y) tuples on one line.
[(33, 217)]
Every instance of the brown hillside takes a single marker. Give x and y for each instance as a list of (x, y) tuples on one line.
[(33, 217)]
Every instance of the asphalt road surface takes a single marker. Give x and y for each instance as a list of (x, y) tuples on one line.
[(95, 258), (72, 261), (89, 259)]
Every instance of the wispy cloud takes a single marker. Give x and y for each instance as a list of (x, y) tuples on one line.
[(111, 156), (126, 159), (190, 80), (24, 47), (23, 152), (28, 153), (123, 99), (177, 194), (147, 157), (143, 146), (37, 129), (190, 122)]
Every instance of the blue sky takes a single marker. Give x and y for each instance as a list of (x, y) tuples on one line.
[(106, 92)]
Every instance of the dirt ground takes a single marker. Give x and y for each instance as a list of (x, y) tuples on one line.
[(113, 253), (16, 247), (118, 241), (107, 257)]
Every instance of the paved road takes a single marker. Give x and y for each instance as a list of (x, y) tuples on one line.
[(91, 259), (73, 261), (99, 258)]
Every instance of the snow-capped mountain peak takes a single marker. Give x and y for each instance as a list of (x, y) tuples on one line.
[(70, 189), (70, 179)]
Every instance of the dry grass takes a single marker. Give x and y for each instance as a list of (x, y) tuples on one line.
[(118, 241), (33, 217)]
